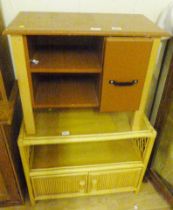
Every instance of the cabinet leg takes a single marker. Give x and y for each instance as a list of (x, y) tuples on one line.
[(25, 163)]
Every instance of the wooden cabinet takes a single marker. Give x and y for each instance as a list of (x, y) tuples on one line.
[(126, 63), (11, 176), (84, 84)]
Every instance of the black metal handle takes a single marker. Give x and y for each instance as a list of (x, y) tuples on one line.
[(130, 83)]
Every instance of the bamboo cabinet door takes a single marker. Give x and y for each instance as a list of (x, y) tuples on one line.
[(59, 185), (114, 180), (125, 66)]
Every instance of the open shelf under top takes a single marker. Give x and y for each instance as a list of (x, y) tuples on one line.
[(66, 61), (81, 125), (60, 92), (80, 154)]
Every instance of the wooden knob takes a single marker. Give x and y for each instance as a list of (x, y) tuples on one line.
[(82, 186)]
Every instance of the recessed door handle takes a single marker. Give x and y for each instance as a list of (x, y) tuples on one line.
[(129, 83)]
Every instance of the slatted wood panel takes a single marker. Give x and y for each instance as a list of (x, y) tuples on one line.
[(53, 185), (142, 144), (114, 180)]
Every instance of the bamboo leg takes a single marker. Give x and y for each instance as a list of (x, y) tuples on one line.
[(144, 99), (18, 47), (25, 164)]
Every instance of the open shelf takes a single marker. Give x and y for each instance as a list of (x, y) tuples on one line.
[(66, 61), (64, 91), (65, 54), (81, 154), (81, 123)]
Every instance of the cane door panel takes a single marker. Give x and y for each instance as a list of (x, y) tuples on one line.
[(59, 184), (113, 179)]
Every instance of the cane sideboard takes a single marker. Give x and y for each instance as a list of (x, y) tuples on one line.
[(84, 81)]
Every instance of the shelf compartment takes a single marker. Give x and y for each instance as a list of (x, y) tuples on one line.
[(64, 91), (82, 122), (60, 54), (85, 154), (66, 61)]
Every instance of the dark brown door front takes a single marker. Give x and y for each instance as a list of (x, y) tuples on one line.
[(125, 66)]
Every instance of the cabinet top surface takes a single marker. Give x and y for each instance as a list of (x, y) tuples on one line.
[(45, 23)]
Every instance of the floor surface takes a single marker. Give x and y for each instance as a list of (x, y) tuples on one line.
[(147, 199)]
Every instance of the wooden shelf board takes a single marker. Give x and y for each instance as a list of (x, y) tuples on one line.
[(79, 122), (80, 154), (64, 93), (66, 61)]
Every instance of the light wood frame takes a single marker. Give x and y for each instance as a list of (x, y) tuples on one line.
[(25, 146), (20, 55), (146, 89)]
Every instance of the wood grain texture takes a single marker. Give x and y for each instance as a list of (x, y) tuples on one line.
[(57, 91), (10, 165), (7, 109), (6, 67), (12, 193), (3, 189), (41, 23), (126, 59)]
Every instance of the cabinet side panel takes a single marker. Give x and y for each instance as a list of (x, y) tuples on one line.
[(7, 171)]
